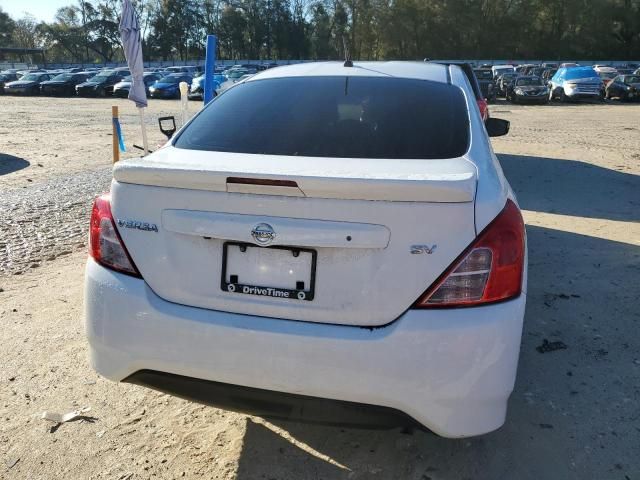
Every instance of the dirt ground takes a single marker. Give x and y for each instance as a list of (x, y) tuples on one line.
[(575, 412)]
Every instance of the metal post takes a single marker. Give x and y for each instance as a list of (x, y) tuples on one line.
[(115, 143), (209, 68)]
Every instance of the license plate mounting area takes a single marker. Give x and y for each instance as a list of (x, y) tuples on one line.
[(279, 272)]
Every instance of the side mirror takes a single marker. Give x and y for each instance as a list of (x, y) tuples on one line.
[(496, 127), (168, 126)]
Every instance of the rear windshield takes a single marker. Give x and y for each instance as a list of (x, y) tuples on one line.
[(348, 117)]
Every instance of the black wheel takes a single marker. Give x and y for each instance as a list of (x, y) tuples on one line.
[(563, 97)]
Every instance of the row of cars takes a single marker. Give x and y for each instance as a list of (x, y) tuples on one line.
[(159, 83), (568, 81)]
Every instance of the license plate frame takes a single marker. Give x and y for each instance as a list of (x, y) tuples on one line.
[(265, 291)]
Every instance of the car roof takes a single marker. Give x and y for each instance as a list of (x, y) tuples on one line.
[(416, 70), (579, 69)]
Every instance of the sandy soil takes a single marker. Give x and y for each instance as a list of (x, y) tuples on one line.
[(574, 413), (77, 136)]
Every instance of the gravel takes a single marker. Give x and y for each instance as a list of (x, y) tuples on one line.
[(40, 222)]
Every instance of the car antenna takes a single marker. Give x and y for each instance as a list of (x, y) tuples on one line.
[(347, 54)]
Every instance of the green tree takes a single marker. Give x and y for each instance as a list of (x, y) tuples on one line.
[(7, 26)]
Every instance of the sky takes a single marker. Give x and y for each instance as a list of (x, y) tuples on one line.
[(41, 9)]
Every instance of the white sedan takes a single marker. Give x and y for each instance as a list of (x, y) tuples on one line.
[(322, 242)]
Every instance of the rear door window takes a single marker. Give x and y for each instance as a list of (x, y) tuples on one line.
[(349, 117)]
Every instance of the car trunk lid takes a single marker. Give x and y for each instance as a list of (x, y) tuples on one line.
[(338, 233)]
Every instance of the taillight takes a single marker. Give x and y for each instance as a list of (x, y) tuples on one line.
[(105, 244), (490, 270), (484, 109)]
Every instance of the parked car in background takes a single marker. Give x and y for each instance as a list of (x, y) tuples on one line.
[(196, 91), (547, 74), (536, 71), (467, 69), (28, 84), (221, 264), (606, 75), (189, 69), (168, 86), (571, 83), (100, 85), (235, 73), (486, 82), (624, 87), (121, 89), (498, 70), (504, 81), (528, 89), (568, 65), (63, 84), (550, 65), (521, 69), (124, 71), (624, 71), (22, 73), (6, 78)]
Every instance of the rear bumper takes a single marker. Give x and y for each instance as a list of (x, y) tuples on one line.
[(270, 404), (572, 94), (450, 370)]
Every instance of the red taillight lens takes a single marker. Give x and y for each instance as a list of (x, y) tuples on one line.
[(490, 270), (484, 109), (105, 244)]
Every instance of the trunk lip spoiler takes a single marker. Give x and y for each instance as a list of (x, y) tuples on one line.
[(440, 181)]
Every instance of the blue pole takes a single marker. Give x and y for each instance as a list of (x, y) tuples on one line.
[(209, 68)]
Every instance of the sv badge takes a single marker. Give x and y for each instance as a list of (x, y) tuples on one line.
[(420, 249)]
